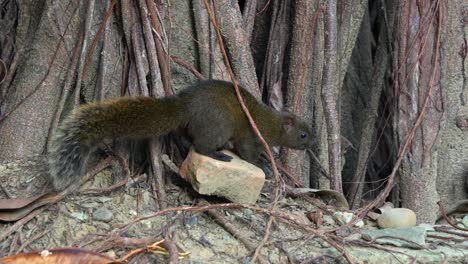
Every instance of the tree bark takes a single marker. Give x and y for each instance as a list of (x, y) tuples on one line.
[(230, 23), (452, 155), (418, 75), (330, 91), (29, 107), (298, 97)]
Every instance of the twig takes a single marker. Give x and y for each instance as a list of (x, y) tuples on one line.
[(172, 249), (446, 230), (386, 249), (189, 67), (321, 169), (297, 182), (171, 165), (6, 192), (20, 223), (155, 248), (14, 241), (32, 239), (282, 217), (124, 182), (444, 215), (229, 227), (448, 238)]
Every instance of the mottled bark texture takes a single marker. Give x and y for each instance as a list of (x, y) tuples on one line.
[(452, 158), (43, 50), (349, 15), (298, 97), (330, 92), (418, 95), (231, 25)]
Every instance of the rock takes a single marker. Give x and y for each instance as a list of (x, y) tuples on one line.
[(237, 180), (397, 218), (344, 231), (359, 224), (342, 218), (426, 226), (465, 221), (247, 213), (111, 254), (191, 221), (412, 237), (328, 220), (103, 214), (81, 216)]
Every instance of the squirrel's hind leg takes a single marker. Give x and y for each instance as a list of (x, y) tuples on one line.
[(208, 142)]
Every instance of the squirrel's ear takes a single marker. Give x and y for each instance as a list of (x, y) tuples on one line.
[(288, 123)]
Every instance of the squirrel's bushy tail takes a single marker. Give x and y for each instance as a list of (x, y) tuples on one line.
[(67, 155), (121, 118)]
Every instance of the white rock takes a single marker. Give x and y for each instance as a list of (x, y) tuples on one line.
[(397, 218)]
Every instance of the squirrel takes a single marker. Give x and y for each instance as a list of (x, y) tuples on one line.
[(209, 113)]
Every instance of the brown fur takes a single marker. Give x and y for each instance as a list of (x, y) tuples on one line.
[(209, 112)]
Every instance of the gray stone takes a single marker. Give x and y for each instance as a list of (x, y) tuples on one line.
[(465, 221), (247, 213), (414, 237), (328, 220), (103, 214), (342, 218)]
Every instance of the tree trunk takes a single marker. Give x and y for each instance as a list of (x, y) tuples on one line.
[(452, 158), (419, 96), (43, 52)]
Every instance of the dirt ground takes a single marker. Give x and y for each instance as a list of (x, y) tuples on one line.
[(114, 221)]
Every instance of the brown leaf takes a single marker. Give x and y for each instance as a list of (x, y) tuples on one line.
[(16, 203), (59, 256), (14, 209)]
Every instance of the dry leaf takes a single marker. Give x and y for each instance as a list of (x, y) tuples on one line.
[(15, 209), (59, 256)]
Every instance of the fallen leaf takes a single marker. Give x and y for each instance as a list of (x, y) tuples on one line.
[(15, 209), (59, 256)]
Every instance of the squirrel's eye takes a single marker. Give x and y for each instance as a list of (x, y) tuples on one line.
[(303, 135)]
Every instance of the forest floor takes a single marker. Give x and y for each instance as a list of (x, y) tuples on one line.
[(116, 220)]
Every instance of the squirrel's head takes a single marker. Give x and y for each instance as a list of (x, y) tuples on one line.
[(296, 134)]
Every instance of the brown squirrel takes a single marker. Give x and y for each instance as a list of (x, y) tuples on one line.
[(209, 112)]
